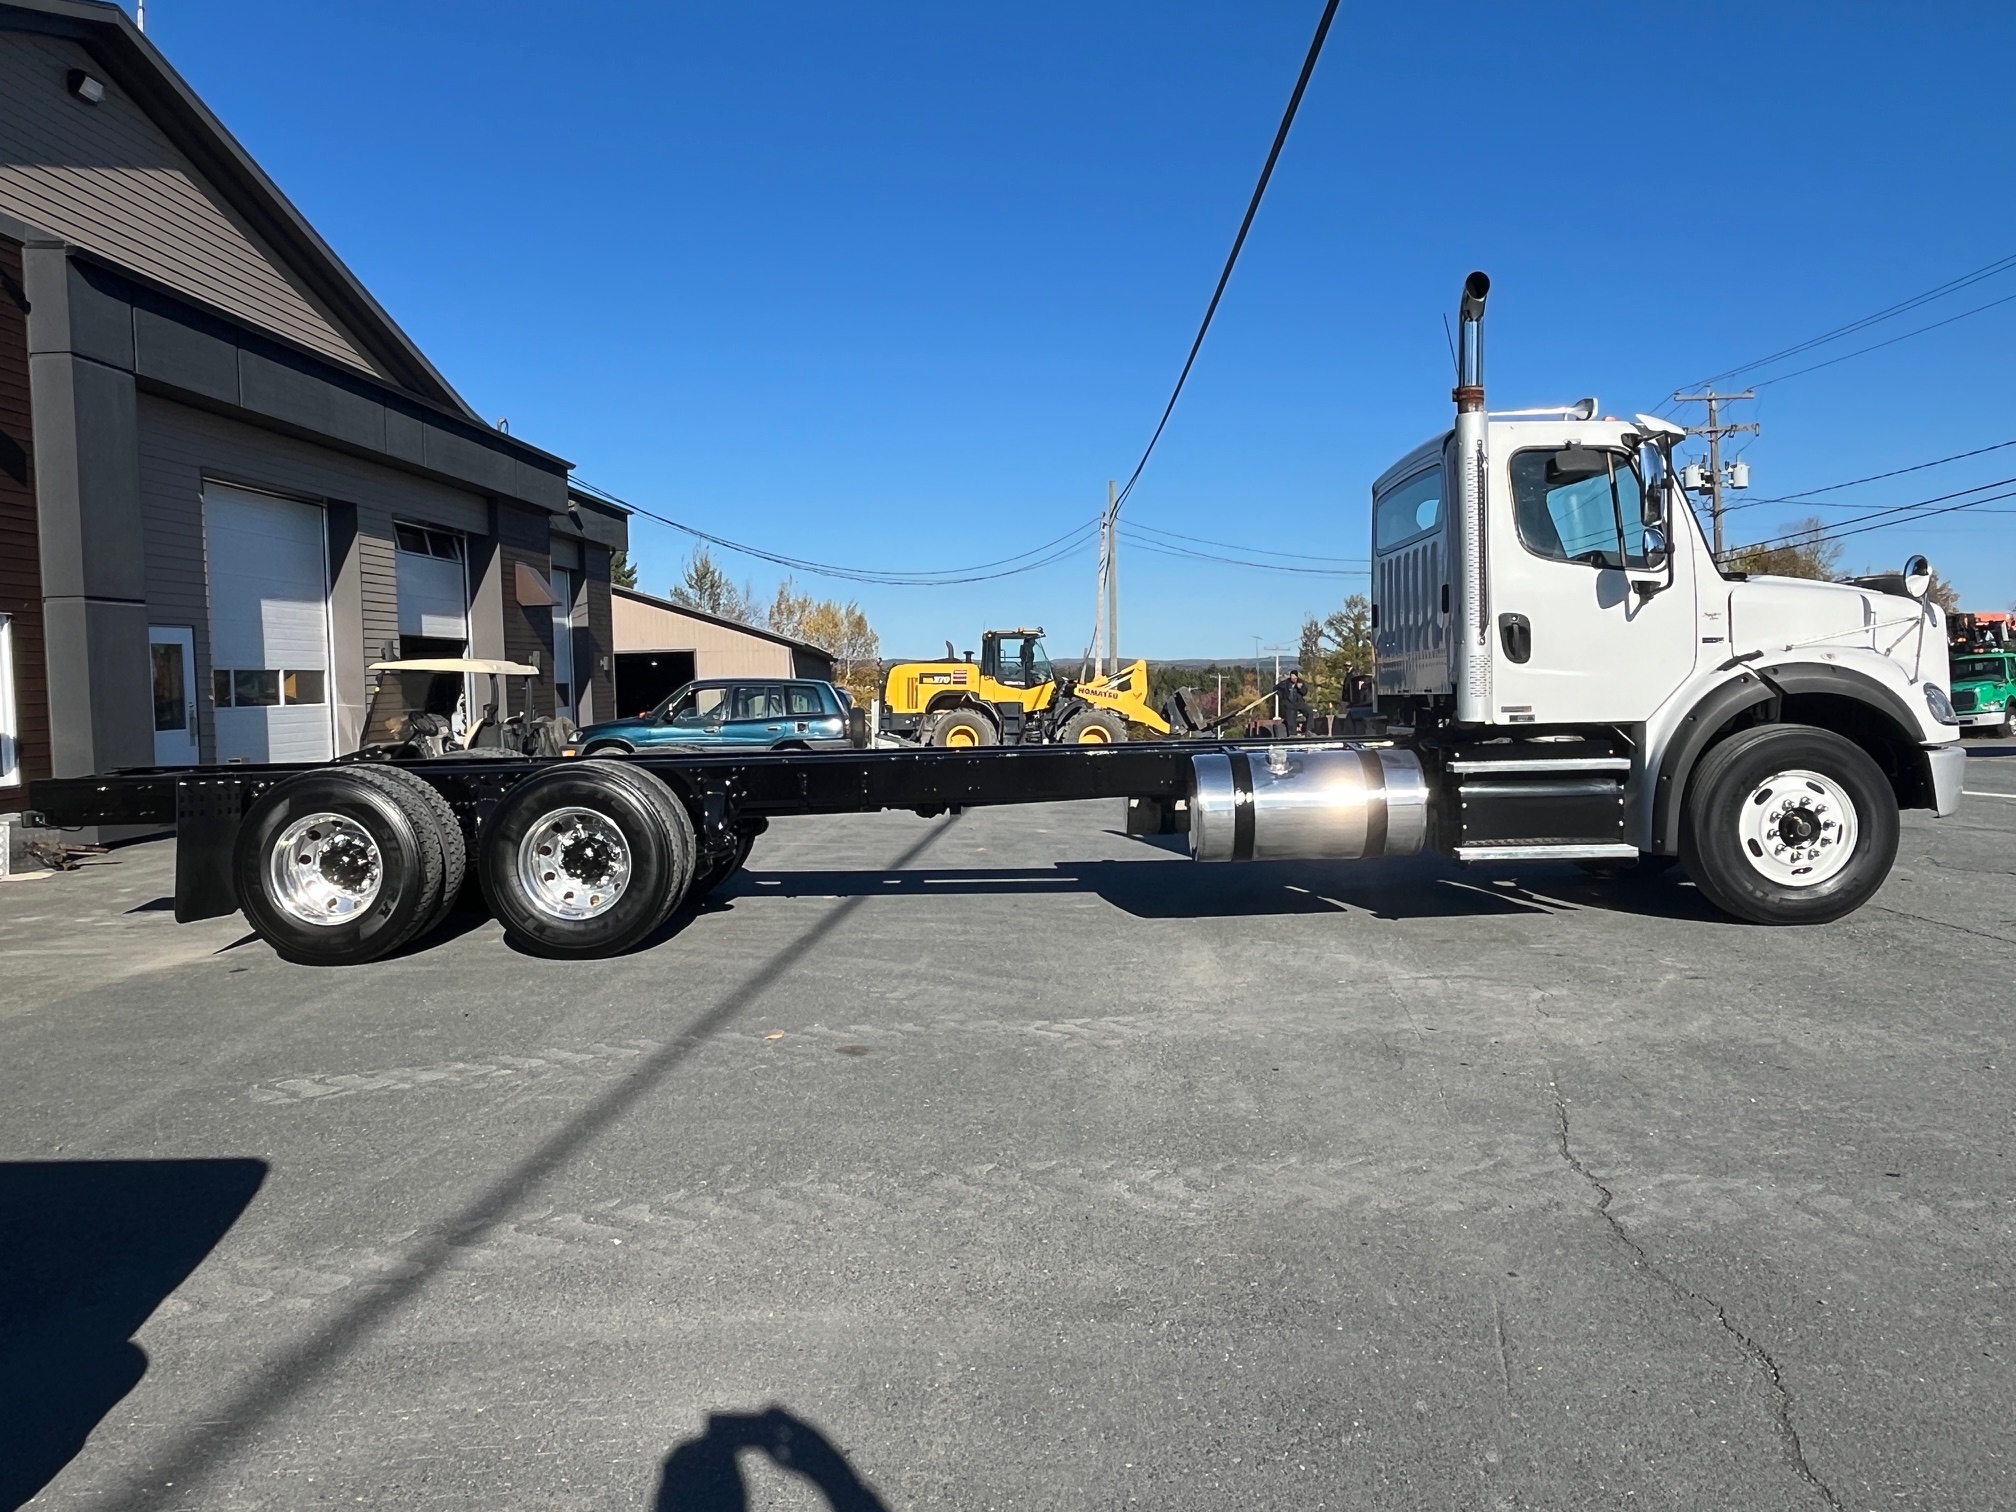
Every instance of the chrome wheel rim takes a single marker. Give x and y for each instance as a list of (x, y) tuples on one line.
[(574, 864), (1798, 828), (325, 870)]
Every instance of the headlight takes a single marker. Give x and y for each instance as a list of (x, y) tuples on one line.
[(1940, 705)]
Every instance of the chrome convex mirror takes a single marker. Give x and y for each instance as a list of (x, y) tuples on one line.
[(1655, 548), (1652, 469), (1917, 577)]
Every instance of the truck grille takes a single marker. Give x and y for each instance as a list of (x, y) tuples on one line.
[(1964, 701)]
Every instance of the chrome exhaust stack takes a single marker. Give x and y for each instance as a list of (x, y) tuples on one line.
[(1472, 641), (1307, 803)]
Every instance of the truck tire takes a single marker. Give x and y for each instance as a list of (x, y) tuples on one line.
[(585, 859), (1789, 824), (1094, 727), (2007, 728), (337, 867), (454, 844), (962, 729)]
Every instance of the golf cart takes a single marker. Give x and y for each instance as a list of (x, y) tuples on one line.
[(421, 709)]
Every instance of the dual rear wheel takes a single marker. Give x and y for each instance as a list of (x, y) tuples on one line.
[(342, 866)]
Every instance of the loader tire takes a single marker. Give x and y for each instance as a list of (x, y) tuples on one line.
[(1094, 727), (962, 729)]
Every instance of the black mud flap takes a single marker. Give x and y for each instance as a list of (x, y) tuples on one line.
[(207, 814)]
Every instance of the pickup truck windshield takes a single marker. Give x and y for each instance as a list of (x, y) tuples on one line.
[(1981, 669)]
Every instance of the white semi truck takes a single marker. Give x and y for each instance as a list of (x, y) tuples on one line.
[(1564, 674)]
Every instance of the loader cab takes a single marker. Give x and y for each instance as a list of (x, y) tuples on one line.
[(1015, 659)]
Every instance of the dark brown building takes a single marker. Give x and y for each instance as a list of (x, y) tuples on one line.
[(228, 480)]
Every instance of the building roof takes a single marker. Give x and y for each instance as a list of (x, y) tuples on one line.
[(656, 602), (133, 62)]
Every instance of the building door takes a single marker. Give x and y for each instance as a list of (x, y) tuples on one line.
[(566, 696), (269, 626), (10, 711), (173, 652)]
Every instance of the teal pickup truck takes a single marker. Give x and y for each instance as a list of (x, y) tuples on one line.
[(1984, 692)]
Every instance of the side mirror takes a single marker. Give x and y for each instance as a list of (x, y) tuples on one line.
[(1652, 469), (1656, 548), (1917, 577)]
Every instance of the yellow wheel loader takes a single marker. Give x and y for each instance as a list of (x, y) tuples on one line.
[(1012, 696)]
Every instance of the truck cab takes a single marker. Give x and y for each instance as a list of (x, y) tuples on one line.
[(1984, 691), (1540, 586)]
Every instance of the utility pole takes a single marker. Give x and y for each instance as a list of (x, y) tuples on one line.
[(1715, 430), (1113, 576)]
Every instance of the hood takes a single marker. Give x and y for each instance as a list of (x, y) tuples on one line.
[(1772, 615)]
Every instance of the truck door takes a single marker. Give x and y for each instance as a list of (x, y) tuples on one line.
[(1575, 638)]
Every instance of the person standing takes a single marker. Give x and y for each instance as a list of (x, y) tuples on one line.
[(1293, 696)]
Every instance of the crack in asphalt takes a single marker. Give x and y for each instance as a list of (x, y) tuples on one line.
[(1979, 934), (1758, 1354)]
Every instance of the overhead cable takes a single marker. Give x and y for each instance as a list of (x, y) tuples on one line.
[(1878, 346), (1239, 241), (1894, 513), (1951, 286), (1163, 548), (1295, 556), (1895, 472), (1056, 550)]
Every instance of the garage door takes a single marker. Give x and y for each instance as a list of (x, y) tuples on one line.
[(433, 588), (269, 626)]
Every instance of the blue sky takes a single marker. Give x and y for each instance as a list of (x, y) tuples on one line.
[(902, 285)]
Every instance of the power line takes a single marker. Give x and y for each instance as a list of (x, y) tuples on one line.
[(1878, 346), (1239, 241), (1907, 512), (1895, 472), (1163, 549), (1049, 552), (1293, 556), (1951, 286)]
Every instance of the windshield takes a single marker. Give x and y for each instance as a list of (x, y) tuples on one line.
[(1981, 669), (1577, 505), (1023, 663)]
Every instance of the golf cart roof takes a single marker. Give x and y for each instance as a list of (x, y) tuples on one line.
[(456, 664)]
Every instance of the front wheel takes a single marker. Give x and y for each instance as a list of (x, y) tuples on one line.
[(1789, 824), (2007, 728), (1095, 727)]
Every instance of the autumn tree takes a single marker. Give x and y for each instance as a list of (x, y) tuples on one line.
[(1336, 645), (1804, 551), (842, 629)]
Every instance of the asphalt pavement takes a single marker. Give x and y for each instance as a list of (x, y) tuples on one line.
[(1007, 1161)]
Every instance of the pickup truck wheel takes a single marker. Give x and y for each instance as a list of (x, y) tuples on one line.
[(338, 867), (1789, 824), (1094, 727), (586, 859), (961, 729)]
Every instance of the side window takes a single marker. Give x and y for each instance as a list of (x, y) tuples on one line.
[(1408, 511), (698, 707), (803, 701), (1574, 504)]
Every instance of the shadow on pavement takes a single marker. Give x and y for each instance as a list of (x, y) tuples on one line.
[(701, 1475), (88, 1249), (1415, 888)]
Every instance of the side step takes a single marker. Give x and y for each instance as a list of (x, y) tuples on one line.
[(1537, 800), (1557, 850)]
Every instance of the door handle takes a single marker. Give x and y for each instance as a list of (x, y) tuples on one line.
[(1516, 631)]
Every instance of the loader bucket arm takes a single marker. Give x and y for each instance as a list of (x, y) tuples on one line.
[(1126, 694)]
